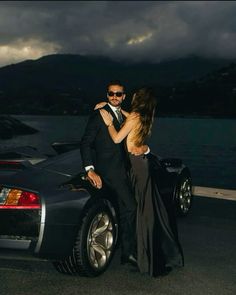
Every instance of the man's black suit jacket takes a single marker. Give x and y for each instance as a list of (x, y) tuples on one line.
[(98, 149)]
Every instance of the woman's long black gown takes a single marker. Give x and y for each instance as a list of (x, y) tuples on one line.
[(158, 247)]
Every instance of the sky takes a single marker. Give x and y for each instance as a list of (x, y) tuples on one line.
[(133, 31)]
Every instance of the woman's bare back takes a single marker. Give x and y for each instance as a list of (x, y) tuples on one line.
[(131, 139)]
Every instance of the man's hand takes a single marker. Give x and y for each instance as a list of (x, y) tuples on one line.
[(137, 151), (94, 179)]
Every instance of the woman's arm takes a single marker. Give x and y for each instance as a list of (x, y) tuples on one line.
[(100, 105), (117, 137)]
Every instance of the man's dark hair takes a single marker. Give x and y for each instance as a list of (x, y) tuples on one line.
[(115, 82)]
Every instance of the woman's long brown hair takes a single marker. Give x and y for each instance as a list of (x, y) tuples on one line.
[(144, 103)]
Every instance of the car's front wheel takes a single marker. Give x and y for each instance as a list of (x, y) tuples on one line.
[(183, 194), (95, 243)]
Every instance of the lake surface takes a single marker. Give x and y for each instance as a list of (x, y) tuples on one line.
[(206, 146)]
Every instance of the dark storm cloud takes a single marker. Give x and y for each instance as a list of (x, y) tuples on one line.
[(130, 30)]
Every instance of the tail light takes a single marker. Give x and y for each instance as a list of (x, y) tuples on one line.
[(18, 199)]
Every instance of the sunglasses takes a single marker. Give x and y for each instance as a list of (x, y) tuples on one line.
[(118, 94)]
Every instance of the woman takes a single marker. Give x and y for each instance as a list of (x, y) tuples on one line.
[(158, 248)]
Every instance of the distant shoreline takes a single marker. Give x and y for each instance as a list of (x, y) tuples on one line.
[(197, 116), (157, 116)]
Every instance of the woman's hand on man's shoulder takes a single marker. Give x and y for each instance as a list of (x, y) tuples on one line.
[(100, 105)]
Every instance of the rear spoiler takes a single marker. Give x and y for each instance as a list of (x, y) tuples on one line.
[(20, 156)]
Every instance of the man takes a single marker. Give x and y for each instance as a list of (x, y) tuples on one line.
[(110, 166)]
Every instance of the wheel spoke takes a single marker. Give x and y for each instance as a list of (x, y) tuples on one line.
[(100, 256), (102, 224)]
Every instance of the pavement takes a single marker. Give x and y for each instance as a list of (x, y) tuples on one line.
[(208, 238), (212, 192)]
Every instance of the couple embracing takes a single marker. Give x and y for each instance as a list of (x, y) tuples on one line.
[(149, 240)]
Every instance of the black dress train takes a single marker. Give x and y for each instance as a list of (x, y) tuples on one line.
[(158, 247)]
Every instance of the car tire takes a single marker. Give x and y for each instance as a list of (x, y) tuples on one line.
[(183, 194), (95, 242)]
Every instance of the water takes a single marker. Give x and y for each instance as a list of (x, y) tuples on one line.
[(206, 146)]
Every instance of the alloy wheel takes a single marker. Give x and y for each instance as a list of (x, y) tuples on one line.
[(100, 240), (185, 196)]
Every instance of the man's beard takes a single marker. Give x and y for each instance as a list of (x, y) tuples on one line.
[(115, 103)]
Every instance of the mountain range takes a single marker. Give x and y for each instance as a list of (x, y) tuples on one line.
[(73, 84)]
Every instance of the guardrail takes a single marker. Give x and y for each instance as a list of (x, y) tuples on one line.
[(211, 192)]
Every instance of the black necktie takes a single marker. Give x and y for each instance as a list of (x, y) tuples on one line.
[(119, 116)]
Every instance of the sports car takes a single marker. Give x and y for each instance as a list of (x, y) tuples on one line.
[(49, 210)]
